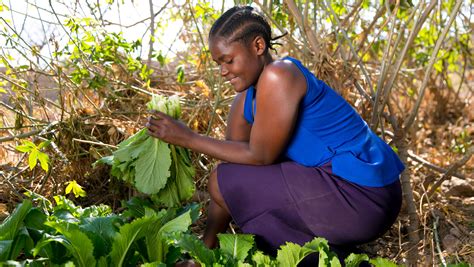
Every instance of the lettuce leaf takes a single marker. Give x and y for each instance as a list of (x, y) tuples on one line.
[(152, 166), (180, 185)]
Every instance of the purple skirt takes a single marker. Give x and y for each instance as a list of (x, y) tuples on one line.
[(288, 202)]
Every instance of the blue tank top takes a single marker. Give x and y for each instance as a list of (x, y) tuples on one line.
[(329, 129)]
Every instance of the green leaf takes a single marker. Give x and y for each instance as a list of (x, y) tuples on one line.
[(101, 231), (22, 243), (180, 74), (33, 158), (10, 227), (5, 248), (326, 257), (196, 249), (44, 160), (27, 146), (381, 262), (236, 246), (77, 242), (161, 59), (354, 260), (35, 219), (154, 264), (291, 254), (152, 167), (262, 260), (108, 160), (128, 234), (75, 188), (180, 185), (44, 144), (178, 224), (155, 239), (132, 147)]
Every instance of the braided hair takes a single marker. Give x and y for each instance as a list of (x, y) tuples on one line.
[(243, 24)]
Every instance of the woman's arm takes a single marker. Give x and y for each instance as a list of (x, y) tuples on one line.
[(238, 129), (279, 91)]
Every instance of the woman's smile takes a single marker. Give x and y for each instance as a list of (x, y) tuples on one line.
[(233, 80)]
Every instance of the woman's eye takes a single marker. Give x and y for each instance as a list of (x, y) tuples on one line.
[(229, 61)]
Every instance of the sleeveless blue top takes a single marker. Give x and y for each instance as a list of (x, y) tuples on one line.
[(329, 129)]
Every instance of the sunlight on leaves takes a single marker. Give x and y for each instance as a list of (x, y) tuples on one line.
[(35, 154), (75, 188)]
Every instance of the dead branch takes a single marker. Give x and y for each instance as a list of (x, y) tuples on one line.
[(433, 166), (295, 12), (451, 170)]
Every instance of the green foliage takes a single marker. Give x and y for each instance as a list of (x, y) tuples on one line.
[(153, 166), (75, 188), (142, 234), (238, 250), (11, 234), (462, 142), (381, 262), (95, 237), (236, 247), (180, 74), (35, 153)]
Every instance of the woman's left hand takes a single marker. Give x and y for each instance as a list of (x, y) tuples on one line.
[(168, 129)]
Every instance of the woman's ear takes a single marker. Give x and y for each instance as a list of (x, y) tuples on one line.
[(259, 45)]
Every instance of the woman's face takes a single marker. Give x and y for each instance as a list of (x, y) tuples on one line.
[(240, 64)]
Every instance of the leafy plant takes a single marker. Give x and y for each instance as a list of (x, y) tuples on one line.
[(75, 188), (238, 250), (35, 153), (92, 236), (153, 166)]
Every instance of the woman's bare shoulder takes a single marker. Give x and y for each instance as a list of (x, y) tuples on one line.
[(283, 73)]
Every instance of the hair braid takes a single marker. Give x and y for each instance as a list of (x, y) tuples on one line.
[(242, 23)]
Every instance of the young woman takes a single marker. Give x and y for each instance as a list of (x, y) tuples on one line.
[(300, 162)]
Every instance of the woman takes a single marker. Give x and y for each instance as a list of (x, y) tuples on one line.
[(300, 162)]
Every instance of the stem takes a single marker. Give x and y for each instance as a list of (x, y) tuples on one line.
[(433, 59), (295, 12), (152, 32)]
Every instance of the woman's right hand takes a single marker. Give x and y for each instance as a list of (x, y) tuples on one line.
[(168, 129)]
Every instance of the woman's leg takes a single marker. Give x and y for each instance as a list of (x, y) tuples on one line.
[(218, 215)]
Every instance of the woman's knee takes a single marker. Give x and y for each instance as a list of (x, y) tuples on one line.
[(213, 188), (212, 181)]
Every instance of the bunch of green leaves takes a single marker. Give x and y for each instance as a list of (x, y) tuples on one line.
[(239, 250), (65, 234), (153, 166)]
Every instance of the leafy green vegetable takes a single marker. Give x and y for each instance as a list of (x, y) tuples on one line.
[(291, 254), (262, 260), (78, 244), (129, 233), (9, 228), (354, 260), (196, 249), (157, 248), (101, 231), (381, 262), (179, 187), (236, 246), (153, 166)]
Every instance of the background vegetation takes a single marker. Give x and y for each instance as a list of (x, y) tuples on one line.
[(72, 94)]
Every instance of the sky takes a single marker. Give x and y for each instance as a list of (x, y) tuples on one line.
[(25, 17)]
